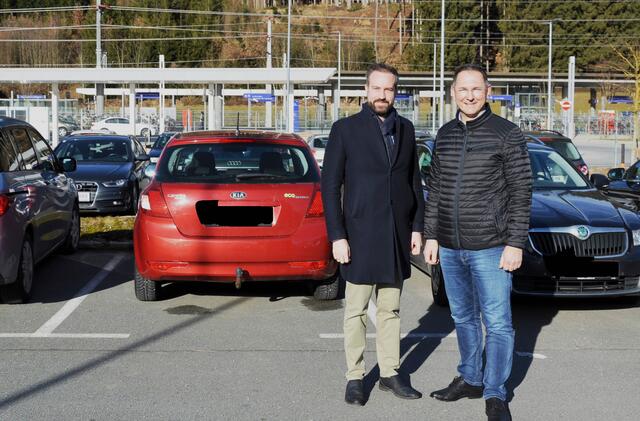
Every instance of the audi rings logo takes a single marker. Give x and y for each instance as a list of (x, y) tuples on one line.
[(238, 195), (234, 163)]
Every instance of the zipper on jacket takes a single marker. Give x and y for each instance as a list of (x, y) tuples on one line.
[(456, 196)]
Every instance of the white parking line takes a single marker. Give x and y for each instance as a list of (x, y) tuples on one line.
[(531, 355), (46, 330), (71, 305)]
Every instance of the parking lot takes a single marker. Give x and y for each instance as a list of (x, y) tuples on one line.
[(85, 348)]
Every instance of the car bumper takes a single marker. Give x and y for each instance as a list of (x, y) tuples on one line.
[(162, 253), (107, 200), (597, 278), (11, 238)]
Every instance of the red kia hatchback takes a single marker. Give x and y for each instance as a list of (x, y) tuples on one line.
[(233, 207)]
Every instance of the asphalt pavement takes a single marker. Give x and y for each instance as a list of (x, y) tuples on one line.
[(85, 348)]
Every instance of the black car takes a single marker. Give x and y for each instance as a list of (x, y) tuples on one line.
[(38, 207), (561, 144), (110, 171), (580, 242), (159, 145), (621, 185)]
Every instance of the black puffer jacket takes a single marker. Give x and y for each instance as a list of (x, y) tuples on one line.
[(479, 185)]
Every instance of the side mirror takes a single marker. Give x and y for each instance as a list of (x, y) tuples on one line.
[(615, 174), (150, 171), (69, 164), (142, 157), (599, 181)]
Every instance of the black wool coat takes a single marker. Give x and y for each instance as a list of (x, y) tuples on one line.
[(372, 201)]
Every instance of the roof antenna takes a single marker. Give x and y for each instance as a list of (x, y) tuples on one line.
[(238, 124)]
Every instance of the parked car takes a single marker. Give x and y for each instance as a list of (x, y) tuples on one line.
[(38, 207), (423, 136), (159, 145), (120, 125), (110, 171), (229, 207), (561, 144), (621, 185), (91, 132), (66, 125), (318, 143), (581, 244)]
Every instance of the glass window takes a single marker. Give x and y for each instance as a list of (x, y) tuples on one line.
[(552, 171), (424, 159), (25, 148), (237, 163), (320, 142), (566, 149), (162, 140), (45, 155), (9, 160), (633, 173), (106, 150)]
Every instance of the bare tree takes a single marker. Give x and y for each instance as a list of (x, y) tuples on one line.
[(629, 65)]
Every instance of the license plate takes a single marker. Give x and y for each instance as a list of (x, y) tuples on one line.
[(84, 196)]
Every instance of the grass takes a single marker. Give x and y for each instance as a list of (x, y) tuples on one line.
[(107, 228)]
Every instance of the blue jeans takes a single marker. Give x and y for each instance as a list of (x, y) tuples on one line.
[(477, 286)]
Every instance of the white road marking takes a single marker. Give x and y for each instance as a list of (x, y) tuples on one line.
[(71, 305), (67, 335), (402, 335), (531, 355)]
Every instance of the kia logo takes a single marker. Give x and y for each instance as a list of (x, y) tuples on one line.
[(78, 186), (238, 195)]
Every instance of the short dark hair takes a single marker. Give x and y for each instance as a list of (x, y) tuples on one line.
[(470, 67), (381, 67)]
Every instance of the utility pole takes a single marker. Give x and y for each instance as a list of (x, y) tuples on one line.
[(161, 96), (549, 87), (375, 31), (99, 86), (268, 105), (289, 109), (571, 132), (336, 95)]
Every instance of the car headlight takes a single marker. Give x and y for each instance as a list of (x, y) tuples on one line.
[(115, 183), (636, 237)]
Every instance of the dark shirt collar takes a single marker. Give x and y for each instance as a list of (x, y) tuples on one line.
[(478, 121), (388, 124)]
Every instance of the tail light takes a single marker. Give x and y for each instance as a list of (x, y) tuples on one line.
[(316, 208), (583, 169), (5, 201), (152, 203)]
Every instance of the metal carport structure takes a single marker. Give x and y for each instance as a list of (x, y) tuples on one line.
[(213, 77)]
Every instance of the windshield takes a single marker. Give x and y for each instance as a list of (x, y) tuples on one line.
[(551, 171), (320, 142), (162, 140), (236, 163), (633, 173), (566, 149), (106, 150)]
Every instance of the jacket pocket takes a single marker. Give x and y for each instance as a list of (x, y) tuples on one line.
[(499, 218)]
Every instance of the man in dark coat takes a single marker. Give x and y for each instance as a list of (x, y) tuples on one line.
[(374, 206), (477, 220)]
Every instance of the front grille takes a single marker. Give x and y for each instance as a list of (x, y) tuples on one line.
[(597, 245), (568, 285)]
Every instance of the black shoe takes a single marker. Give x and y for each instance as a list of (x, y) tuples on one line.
[(458, 389), (497, 410), (399, 387), (354, 395)]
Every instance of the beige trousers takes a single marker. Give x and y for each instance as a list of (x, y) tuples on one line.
[(388, 328)]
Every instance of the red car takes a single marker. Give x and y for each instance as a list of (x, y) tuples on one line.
[(233, 207)]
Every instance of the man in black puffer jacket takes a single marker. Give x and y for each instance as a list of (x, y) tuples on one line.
[(477, 220)]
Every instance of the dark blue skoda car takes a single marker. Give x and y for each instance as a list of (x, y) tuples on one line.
[(580, 242)]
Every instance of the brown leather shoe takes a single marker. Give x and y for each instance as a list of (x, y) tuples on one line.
[(458, 389)]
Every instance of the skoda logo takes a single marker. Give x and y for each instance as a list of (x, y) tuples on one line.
[(583, 232), (238, 195)]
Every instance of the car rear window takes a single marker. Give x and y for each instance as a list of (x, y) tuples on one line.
[(237, 162), (565, 148)]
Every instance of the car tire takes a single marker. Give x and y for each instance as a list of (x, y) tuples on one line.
[(327, 290), (62, 131), (135, 195), (146, 289), (73, 236), (437, 287), (20, 291)]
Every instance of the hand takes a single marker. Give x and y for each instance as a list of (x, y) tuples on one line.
[(431, 252), (511, 259), (341, 251), (416, 243)]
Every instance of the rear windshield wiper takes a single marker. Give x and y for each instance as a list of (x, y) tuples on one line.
[(259, 175)]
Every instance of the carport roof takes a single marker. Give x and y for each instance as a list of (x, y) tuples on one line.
[(172, 75)]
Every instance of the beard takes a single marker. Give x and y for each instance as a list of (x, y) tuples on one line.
[(380, 107)]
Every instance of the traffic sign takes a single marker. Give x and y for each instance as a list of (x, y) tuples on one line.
[(565, 105), (257, 97)]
